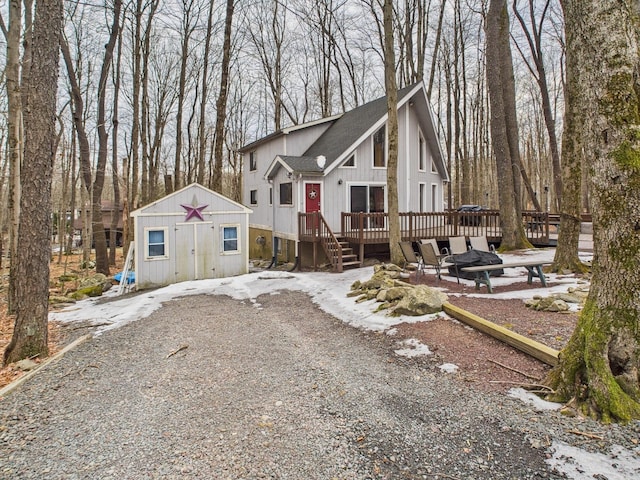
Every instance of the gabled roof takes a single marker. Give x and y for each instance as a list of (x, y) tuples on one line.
[(286, 131), (349, 130), (345, 133), (153, 206)]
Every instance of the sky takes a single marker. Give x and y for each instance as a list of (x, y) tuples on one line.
[(328, 292)]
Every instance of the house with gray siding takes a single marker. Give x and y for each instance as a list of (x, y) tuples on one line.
[(191, 234), (337, 165)]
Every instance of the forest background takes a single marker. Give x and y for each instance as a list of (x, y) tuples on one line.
[(154, 95)]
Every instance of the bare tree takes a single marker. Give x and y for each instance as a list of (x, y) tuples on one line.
[(188, 23), (538, 70), (30, 335), (566, 255), (221, 103), (392, 125), (102, 258), (503, 124)]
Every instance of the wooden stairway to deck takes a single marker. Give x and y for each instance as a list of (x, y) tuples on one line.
[(349, 258)]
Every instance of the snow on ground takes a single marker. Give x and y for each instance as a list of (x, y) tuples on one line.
[(328, 291)]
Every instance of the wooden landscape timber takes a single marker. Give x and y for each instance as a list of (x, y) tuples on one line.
[(536, 349)]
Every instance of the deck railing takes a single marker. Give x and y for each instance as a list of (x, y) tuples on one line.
[(373, 228)]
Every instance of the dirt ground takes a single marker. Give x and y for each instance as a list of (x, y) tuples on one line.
[(67, 264), (483, 362)]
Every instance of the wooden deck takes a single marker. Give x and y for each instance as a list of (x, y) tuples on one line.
[(361, 229)]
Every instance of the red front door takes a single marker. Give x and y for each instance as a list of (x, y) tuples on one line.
[(312, 196), (312, 203)]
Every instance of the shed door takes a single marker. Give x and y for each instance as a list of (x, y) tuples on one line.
[(195, 258)]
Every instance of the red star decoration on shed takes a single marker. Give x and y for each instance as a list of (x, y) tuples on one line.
[(194, 210)]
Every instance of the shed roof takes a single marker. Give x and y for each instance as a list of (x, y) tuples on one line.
[(158, 205)]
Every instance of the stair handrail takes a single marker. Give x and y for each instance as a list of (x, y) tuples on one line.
[(329, 243)]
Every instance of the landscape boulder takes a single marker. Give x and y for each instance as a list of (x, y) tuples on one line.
[(420, 300), (387, 287)]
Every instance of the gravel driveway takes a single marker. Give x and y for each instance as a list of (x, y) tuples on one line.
[(276, 389)]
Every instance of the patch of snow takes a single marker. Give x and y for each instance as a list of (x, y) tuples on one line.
[(578, 464), (415, 349), (532, 399), (448, 368)]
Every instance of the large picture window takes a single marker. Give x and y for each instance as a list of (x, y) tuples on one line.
[(286, 193), (369, 199), (379, 148), (156, 243), (230, 239)]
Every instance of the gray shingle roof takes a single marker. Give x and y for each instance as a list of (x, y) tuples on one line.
[(304, 164), (346, 130)]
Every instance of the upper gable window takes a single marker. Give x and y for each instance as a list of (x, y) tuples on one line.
[(379, 148), (434, 169), (422, 154), (351, 161), (253, 164)]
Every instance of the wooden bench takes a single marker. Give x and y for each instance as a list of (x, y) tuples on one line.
[(482, 272)]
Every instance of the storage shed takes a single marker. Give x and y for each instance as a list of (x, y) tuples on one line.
[(191, 234)]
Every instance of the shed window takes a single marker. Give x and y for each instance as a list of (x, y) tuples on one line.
[(156, 240), (286, 193), (230, 239)]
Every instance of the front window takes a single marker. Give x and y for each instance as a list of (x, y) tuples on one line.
[(230, 239), (379, 148), (369, 199), (253, 164), (253, 194), (286, 193), (156, 243)]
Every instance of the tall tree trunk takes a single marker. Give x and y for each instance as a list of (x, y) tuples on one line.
[(30, 336), (77, 110), (502, 101), (14, 127), (100, 239), (392, 134), (202, 127), (221, 104), (600, 367), (115, 216), (566, 256)]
